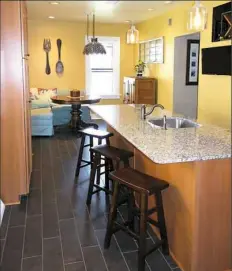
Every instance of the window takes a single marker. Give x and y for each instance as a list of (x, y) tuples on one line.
[(103, 71), (151, 51)]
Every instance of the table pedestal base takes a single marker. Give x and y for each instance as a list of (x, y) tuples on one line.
[(76, 122)]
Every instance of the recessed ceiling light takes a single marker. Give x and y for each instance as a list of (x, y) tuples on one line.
[(127, 21), (168, 2), (104, 5), (51, 17), (54, 3), (150, 9)]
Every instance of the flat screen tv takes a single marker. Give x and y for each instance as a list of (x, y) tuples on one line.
[(216, 60)]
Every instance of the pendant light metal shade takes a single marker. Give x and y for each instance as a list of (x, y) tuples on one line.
[(132, 35), (197, 20), (93, 47)]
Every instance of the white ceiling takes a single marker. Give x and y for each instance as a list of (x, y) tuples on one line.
[(106, 11)]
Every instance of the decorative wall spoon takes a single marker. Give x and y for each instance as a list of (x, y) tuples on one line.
[(59, 64)]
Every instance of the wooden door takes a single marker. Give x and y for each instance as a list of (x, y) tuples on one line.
[(25, 70)]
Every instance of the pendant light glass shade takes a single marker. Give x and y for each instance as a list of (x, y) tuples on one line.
[(132, 35), (197, 17), (93, 47)]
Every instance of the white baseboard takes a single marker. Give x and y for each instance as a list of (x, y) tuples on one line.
[(2, 209), (94, 116)]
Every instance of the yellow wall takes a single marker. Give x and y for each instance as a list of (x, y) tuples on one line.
[(214, 101), (73, 41)]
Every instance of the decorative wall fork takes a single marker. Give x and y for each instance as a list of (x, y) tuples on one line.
[(47, 49)]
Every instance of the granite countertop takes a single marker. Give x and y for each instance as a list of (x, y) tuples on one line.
[(206, 142)]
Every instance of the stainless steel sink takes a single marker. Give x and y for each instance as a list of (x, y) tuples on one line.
[(173, 122)]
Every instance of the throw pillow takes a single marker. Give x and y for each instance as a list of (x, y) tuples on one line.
[(33, 93), (46, 94)]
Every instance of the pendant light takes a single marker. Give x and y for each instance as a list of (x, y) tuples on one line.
[(197, 17), (93, 47), (132, 35)]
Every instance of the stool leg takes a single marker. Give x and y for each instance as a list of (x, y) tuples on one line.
[(96, 161), (117, 165), (80, 156), (126, 163), (143, 231), (161, 222), (111, 165), (107, 141), (91, 153), (131, 205), (99, 169), (112, 216), (111, 168), (107, 185)]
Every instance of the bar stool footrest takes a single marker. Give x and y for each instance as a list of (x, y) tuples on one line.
[(87, 145), (157, 245), (126, 229), (153, 222), (100, 188), (87, 163), (151, 211), (122, 199)]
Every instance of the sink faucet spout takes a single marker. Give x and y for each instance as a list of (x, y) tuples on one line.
[(165, 122), (144, 114)]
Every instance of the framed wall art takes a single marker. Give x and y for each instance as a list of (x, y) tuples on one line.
[(222, 22), (192, 66)]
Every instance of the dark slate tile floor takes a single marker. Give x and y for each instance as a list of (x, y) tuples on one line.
[(52, 230)]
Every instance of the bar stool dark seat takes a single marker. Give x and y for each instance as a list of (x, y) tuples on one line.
[(111, 154), (145, 186), (92, 133)]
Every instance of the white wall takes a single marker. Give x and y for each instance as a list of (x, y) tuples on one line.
[(185, 98)]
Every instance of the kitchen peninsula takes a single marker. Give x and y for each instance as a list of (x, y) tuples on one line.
[(197, 164)]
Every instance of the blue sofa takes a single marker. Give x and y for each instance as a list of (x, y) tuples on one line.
[(45, 115)]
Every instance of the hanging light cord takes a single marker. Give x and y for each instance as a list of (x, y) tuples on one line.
[(88, 27), (93, 25)]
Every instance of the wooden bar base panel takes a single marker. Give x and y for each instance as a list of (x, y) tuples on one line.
[(197, 208)]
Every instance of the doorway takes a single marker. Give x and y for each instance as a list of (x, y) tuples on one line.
[(103, 71), (185, 96)]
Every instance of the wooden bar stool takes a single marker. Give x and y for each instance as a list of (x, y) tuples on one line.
[(92, 133), (111, 155), (145, 186)]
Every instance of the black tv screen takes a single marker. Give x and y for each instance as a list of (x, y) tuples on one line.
[(216, 60)]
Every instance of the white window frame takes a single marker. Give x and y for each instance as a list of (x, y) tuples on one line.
[(147, 43), (116, 64)]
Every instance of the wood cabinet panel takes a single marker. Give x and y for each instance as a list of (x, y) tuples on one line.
[(212, 247), (27, 120), (139, 90), (15, 127)]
